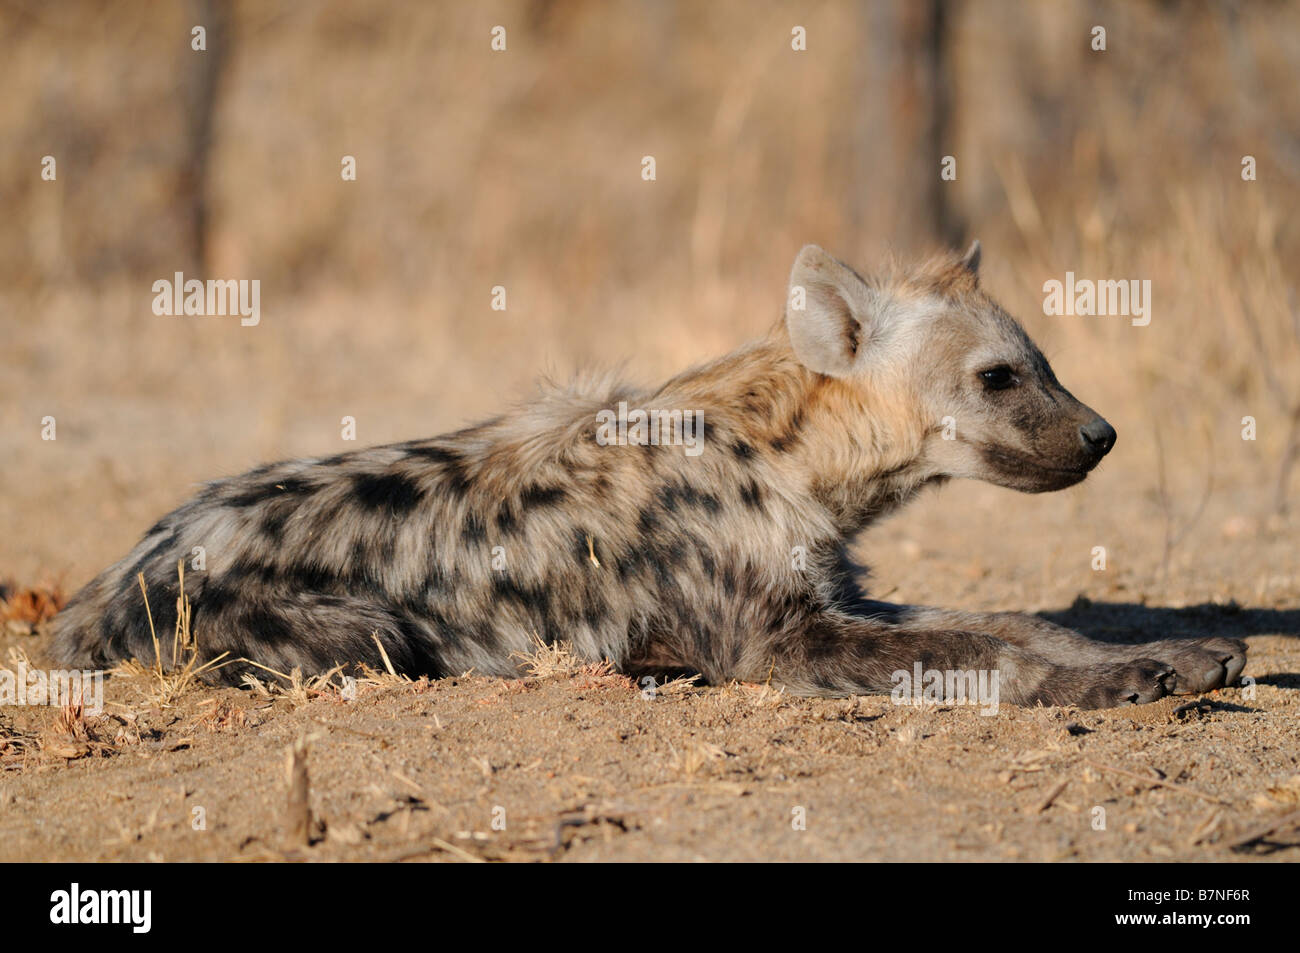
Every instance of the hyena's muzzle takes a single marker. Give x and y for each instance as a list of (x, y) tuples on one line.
[(1037, 436)]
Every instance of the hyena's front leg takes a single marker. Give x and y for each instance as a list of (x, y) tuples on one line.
[(838, 654), (1199, 664)]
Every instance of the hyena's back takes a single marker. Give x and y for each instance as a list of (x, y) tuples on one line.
[(307, 562)]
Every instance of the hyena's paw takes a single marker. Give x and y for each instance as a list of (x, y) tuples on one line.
[(1134, 682), (1204, 664)]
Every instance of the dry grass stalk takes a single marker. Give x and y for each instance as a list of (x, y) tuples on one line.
[(185, 670), (301, 827), (557, 660)]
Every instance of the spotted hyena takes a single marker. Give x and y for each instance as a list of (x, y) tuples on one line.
[(724, 554)]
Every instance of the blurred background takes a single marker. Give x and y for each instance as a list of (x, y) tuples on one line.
[(522, 168)]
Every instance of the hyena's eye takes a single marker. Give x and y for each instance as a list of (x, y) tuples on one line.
[(998, 378)]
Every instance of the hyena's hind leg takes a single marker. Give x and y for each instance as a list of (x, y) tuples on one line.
[(312, 632), (1199, 664), (283, 631), (838, 654)]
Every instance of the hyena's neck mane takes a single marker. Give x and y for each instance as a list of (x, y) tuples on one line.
[(847, 449)]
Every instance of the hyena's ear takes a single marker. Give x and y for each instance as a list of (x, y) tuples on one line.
[(829, 311), (971, 260)]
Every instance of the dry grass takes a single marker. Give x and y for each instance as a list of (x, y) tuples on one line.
[(293, 687), (74, 735), (550, 661), (557, 660), (186, 668)]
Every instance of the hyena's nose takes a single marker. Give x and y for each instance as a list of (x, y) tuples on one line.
[(1098, 437)]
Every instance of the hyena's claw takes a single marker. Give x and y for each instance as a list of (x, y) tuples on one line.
[(1110, 685), (1151, 681), (1138, 682), (1233, 661)]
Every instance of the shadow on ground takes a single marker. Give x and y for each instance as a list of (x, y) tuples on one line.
[(1129, 622)]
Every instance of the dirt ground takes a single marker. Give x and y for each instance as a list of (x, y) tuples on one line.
[(574, 763)]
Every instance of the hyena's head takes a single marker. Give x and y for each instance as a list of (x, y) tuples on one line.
[(979, 398)]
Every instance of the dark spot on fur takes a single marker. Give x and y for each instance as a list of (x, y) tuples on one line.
[(274, 520), (267, 627), (215, 600), (435, 454), (530, 597), (474, 530), (662, 562), (246, 570), (453, 466), (371, 554), (672, 496), (396, 493), (742, 450), (647, 521), (290, 485), (312, 577), (752, 495), (543, 496), (707, 561), (257, 495), (632, 562), (697, 497), (132, 622), (790, 436), (701, 636), (155, 552)]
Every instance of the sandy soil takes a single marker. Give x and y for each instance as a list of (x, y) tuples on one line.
[(576, 764)]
